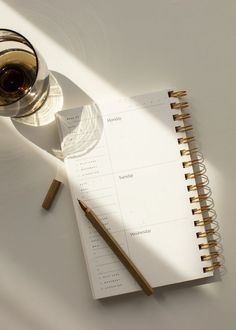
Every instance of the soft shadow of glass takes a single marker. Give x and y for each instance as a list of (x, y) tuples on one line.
[(46, 114), (41, 127), (83, 132)]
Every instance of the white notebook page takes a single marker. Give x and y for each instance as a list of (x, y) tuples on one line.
[(123, 160)]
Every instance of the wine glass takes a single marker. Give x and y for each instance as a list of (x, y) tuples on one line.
[(24, 76)]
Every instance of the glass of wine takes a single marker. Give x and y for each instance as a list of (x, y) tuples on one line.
[(24, 76)]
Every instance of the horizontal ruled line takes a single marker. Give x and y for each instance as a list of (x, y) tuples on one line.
[(98, 197), (131, 169), (108, 263)]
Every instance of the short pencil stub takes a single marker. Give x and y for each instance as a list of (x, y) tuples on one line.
[(51, 194)]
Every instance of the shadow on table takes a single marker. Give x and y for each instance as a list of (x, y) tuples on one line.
[(41, 128)]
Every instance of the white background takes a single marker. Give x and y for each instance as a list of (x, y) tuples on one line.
[(110, 48)]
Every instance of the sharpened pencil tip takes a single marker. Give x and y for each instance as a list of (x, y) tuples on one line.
[(82, 205)]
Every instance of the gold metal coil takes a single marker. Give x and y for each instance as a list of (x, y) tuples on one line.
[(206, 233), (187, 152), (185, 140), (199, 198), (177, 93), (214, 266), (210, 256), (190, 162), (197, 186), (194, 174), (183, 128), (179, 105), (182, 116), (204, 210), (201, 210), (210, 244), (204, 222)]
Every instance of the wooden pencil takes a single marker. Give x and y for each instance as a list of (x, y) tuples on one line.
[(116, 248)]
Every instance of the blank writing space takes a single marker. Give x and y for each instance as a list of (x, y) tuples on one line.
[(155, 192), (168, 253), (140, 138)]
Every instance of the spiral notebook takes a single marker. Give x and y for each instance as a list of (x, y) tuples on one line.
[(135, 165)]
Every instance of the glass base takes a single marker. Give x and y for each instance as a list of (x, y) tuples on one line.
[(46, 113)]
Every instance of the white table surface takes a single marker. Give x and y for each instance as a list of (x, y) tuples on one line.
[(108, 48)]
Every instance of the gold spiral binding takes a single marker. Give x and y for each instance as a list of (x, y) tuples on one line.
[(199, 198), (181, 116), (177, 93), (214, 266), (210, 256), (188, 152), (194, 174), (183, 128), (185, 140), (206, 233), (201, 210), (204, 222), (179, 105), (194, 187), (205, 203), (211, 243), (190, 163)]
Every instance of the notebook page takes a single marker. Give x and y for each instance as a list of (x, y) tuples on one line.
[(123, 160)]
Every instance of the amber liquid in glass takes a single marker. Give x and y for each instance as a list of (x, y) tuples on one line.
[(17, 74)]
